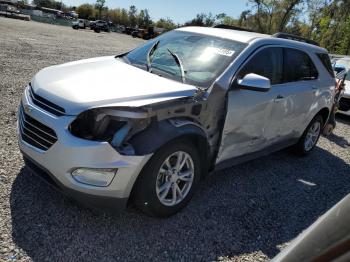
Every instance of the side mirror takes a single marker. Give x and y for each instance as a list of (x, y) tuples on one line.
[(254, 82)]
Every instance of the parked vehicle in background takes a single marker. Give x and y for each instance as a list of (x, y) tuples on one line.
[(151, 33), (340, 75), (344, 103), (72, 14), (80, 24), (146, 34), (128, 30), (10, 10), (99, 25), (140, 33), (340, 65), (148, 125)]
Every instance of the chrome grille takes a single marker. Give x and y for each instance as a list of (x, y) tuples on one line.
[(45, 104), (35, 133)]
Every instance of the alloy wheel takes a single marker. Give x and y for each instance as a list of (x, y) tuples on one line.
[(175, 178), (312, 136)]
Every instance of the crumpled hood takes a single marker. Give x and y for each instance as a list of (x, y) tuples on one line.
[(104, 81)]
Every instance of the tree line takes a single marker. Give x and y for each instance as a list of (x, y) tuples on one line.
[(325, 21)]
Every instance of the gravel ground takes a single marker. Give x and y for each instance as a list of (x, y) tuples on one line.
[(245, 213)]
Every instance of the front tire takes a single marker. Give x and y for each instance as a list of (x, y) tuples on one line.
[(310, 137), (169, 179)]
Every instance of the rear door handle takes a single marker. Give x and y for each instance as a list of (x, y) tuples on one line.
[(278, 98)]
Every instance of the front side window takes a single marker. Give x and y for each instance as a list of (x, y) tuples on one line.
[(298, 66), (203, 57), (268, 63)]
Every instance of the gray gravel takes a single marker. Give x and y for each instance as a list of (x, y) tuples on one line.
[(245, 213)]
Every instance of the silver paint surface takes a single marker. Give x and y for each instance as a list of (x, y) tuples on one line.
[(236, 121)]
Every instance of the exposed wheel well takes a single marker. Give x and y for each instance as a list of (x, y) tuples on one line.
[(324, 112), (203, 149)]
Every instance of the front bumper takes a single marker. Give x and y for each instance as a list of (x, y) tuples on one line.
[(92, 201), (70, 152)]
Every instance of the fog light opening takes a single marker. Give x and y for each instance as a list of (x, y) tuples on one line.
[(101, 177)]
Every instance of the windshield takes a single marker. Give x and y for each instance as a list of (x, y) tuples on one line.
[(203, 57)]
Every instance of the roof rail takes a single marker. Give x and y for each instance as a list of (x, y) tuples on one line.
[(295, 38), (233, 28)]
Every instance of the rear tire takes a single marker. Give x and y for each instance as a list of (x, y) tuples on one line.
[(310, 137), (163, 177)]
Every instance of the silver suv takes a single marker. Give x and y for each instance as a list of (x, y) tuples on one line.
[(146, 126)]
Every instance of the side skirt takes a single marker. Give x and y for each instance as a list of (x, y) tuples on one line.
[(251, 156)]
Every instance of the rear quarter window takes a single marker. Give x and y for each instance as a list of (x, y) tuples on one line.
[(326, 61)]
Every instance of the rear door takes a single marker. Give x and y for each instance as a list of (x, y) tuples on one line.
[(295, 96)]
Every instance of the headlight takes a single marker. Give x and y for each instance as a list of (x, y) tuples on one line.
[(94, 176), (96, 125), (112, 125), (109, 124)]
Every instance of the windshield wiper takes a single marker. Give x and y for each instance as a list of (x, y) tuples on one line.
[(179, 63), (150, 52)]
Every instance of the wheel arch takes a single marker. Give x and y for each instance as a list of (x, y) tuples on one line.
[(159, 134), (162, 133), (324, 112)]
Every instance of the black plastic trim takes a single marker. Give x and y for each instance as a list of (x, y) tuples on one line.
[(160, 133), (295, 38)]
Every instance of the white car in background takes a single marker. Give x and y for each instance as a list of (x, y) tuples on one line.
[(344, 104), (345, 100), (80, 24)]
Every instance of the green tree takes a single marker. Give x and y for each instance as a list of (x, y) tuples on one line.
[(100, 4), (144, 18), (226, 20), (166, 23), (124, 17), (202, 20), (132, 15), (270, 16), (86, 11)]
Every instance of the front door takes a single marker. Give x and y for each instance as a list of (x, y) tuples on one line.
[(249, 112)]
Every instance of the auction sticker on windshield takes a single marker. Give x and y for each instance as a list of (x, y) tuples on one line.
[(211, 51)]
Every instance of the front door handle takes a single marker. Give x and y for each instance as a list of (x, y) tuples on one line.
[(278, 98)]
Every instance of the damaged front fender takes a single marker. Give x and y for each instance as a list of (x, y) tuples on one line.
[(161, 133), (143, 130)]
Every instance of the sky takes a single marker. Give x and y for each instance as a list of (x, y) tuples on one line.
[(179, 11)]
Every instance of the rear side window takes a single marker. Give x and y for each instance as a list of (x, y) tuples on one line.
[(298, 66), (268, 63), (326, 61)]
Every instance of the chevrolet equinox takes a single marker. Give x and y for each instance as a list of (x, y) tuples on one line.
[(148, 125)]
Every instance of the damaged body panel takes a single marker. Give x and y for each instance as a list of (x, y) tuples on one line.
[(148, 124), (143, 130)]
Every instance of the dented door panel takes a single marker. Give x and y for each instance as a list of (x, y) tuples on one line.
[(247, 118)]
